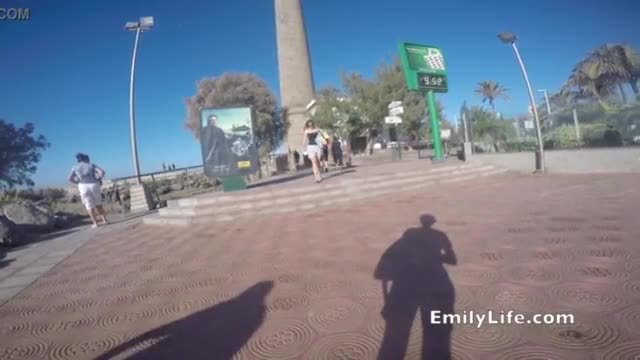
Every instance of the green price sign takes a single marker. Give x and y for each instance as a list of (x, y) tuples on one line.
[(424, 67), (428, 82)]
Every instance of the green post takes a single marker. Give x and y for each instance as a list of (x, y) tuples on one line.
[(233, 183), (435, 127)]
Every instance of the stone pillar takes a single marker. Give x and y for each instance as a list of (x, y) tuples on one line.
[(141, 199), (294, 66)]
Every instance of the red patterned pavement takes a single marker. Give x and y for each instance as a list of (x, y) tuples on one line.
[(308, 286)]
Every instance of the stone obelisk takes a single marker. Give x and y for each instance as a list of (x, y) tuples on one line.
[(294, 66)]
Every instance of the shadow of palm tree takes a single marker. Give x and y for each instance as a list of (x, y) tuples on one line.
[(218, 332), (419, 282)]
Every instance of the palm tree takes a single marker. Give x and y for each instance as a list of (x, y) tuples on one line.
[(631, 62), (491, 90), (585, 82), (609, 65)]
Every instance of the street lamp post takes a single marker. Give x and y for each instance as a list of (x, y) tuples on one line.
[(509, 38), (145, 23), (546, 100)]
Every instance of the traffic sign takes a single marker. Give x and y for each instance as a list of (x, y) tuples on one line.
[(395, 104), (528, 124), (396, 111), (393, 120)]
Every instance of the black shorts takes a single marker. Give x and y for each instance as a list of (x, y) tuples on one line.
[(325, 154)]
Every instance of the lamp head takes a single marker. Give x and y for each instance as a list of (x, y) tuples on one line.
[(507, 37), (131, 25), (146, 22)]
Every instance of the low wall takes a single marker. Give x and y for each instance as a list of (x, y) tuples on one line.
[(582, 161)]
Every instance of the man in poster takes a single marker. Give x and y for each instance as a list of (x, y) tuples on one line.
[(217, 155)]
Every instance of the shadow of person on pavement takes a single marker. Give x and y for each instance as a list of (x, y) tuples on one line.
[(218, 332), (4, 263), (413, 266)]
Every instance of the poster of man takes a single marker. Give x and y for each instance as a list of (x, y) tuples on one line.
[(228, 146)]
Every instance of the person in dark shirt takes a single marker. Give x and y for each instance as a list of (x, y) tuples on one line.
[(336, 151), (215, 149)]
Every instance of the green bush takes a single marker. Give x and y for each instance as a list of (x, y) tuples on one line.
[(597, 135), (563, 137), (53, 194), (517, 146), (612, 137), (30, 195), (592, 135)]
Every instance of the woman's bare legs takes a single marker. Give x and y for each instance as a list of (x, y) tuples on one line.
[(316, 167), (92, 215), (100, 211)]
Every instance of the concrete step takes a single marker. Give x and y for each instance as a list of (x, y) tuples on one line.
[(275, 202), (310, 194), (260, 194)]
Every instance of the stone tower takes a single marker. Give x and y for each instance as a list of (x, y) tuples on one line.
[(294, 66)]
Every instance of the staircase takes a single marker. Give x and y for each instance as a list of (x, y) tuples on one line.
[(280, 199)]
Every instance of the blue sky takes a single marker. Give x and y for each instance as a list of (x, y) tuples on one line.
[(67, 69)]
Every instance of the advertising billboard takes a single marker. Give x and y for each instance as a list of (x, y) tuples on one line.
[(228, 141)]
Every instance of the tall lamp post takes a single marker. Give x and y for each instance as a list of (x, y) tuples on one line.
[(510, 38), (145, 23), (546, 100)]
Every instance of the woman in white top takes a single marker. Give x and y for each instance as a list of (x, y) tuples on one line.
[(88, 177)]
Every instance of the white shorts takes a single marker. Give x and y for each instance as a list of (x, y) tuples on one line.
[(90, 194), (314, 151)]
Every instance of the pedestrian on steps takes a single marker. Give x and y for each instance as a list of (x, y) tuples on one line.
[(312, 140)]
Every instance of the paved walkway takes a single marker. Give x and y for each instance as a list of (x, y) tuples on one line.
[(304, 286), (23, 265)]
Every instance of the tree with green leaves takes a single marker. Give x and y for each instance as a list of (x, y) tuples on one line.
[(490, 91), (20, 151), (236, 89), (486, 127), (372, 97), (606, 69), (611, 65), (335, 113)]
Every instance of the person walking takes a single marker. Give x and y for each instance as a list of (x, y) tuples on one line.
[(336, 151), (88, 177), (313, 142), (325, 155)]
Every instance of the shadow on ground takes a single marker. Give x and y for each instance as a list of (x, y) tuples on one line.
[(218, 332), (81, 225), (3, 254), (413, 267)]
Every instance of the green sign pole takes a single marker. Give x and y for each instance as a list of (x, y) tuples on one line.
[(425, 71), (233, 183), (435, 126)]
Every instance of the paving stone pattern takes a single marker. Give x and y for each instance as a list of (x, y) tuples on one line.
[(303, 286)]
